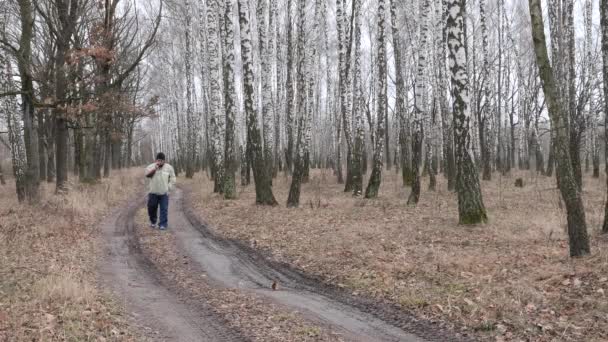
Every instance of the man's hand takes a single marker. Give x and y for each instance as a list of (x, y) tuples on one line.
[(151, 173)]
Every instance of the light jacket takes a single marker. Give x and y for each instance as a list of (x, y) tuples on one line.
[(163, 179)]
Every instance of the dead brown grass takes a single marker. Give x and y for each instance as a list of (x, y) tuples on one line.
[(48, 256), (510, 279)]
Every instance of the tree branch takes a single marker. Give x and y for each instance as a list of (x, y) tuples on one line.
[(13, 93), (147, 45)]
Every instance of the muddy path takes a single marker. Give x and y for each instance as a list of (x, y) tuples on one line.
[(232, 264), (155, 309)]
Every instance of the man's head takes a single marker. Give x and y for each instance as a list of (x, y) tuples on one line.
[(160, 158)]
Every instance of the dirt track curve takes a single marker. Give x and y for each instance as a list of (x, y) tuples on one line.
[(230, 264), (159, 312)]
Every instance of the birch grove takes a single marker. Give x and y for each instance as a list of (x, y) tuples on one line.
[(449, 93)]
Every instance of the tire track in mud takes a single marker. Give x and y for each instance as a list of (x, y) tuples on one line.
[(155, 306), (232, 264)]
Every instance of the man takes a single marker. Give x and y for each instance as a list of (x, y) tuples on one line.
[(162, 180)]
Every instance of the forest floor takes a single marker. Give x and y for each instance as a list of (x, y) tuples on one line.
[(48, 264), (508, 280)]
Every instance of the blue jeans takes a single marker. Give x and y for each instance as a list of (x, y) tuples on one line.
[(154, 201)]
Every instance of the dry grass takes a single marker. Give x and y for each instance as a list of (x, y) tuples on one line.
[(510, 279), (48, 256)]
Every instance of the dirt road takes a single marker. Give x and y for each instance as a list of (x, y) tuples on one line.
[(229, 264), (158, 312)]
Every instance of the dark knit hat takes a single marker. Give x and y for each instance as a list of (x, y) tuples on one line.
[(160, 156)]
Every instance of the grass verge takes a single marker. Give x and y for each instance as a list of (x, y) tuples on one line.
[(48, 253)]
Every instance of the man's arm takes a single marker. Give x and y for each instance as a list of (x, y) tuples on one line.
[(172, 179), (151, 170)]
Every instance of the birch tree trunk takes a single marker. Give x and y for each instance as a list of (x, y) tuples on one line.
[(604, 25), (446, 122), (401, 111), (289, 121), (358, 107), (470, 203), (577, 228), (293, 199), (215, 90), (262, 179), (266, 58), (381, 84), (419, 107), (9, 108), (230, 102), (345, 43), (190, 129), (484, 120)]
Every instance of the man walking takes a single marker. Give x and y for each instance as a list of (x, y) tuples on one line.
[(162, 180)]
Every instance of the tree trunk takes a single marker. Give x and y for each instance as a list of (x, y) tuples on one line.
[(604, 25), (289, 122), (49, 126), (42, 145), (577, 228), (375, 178), (345, 44), (265, 47), (15, 133), (470, 203), (302, 69), (263, 185), (215, 100), (419, 107), (32, 172), (229, 186), (191, 127)]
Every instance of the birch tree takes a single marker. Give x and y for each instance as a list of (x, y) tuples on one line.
[(9, 109), (420, 113), (262, 179), (191, 127), (381, 85), (470, 203), (293, 199), (230, 103), (215, 90), (265, 44), (604, 26), (577, 228)]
